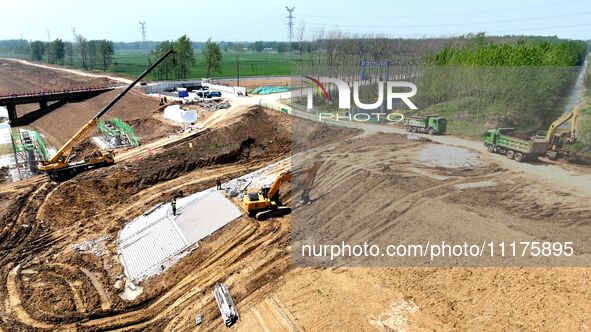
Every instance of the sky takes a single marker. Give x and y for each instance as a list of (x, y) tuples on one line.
[(251, 20)]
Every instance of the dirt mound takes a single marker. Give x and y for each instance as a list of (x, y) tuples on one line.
[(147, 129), (4, 171), (375, 181), (17, 77), (258, 136), (59, 125), (307, 136), (577, 159)]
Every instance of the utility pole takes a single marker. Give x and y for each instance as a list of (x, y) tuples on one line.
[(143, 30), (290, 24), (73, 44), (237, 53)]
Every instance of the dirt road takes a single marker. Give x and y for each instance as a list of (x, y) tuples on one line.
[(556, 176), (70, 71)]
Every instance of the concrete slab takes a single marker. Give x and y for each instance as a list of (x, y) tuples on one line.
[(145, 252), (206, 215), (156, 240)]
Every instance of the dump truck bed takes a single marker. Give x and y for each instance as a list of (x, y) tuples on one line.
[(418, 122), (533, 146)]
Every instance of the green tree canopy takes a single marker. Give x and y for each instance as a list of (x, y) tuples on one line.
[(105, 53), (213, 57), (185, 58), (56, 52), (37, 50)]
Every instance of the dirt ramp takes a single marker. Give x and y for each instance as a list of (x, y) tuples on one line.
[(18, 77)]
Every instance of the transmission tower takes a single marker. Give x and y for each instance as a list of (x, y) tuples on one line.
[(143, 29), (290, 24)]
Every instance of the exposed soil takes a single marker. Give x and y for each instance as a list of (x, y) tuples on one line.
[(4, 171), (16, 77), (42, 220), (59, 125), (370, 187), (146, 130)]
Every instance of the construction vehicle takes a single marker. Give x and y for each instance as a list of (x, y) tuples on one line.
[(226, 304), (557, 140), (59, 167), (266, 203), (432, 124), (500, 140)]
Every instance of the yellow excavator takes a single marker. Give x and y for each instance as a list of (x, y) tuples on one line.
[(59, 167), (557, 140), (266, 203)]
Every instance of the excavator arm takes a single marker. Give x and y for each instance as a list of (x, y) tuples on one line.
[(309, 181), (555, 140), (281, 179), (266, 203), (572, 116)]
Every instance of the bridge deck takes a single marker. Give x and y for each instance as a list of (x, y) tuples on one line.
[(31, 97)]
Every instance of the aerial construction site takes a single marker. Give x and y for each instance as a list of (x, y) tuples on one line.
[(147, 200)]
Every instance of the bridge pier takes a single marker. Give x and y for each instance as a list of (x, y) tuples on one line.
[(11, 112), (43, 104)]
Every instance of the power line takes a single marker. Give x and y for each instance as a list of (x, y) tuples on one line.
[(456, 24), (482, 11)]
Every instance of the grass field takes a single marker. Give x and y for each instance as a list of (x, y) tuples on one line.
[(132, 63)]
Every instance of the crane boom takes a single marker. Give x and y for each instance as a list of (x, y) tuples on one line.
[(63, 154), (59, 167)]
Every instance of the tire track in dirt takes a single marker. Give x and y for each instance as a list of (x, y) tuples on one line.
[(188, 291), (105, 301), (13, 301)]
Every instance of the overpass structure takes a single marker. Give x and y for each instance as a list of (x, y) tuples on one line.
[(43, 98)]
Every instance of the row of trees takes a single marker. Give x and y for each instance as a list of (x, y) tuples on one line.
[(584, 130), (93, 54), (525, 52), (522, 84), (475, 80)]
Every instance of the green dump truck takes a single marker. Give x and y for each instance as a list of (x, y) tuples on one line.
[(431, 124), (500, 140)]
